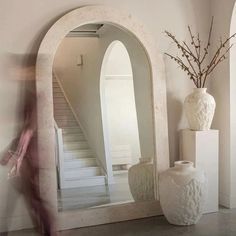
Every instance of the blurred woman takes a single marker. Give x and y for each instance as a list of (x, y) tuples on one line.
[(22, 159)]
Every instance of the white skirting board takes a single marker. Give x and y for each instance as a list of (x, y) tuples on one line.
[(202, 148)]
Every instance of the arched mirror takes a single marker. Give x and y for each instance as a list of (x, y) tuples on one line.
[(102, 118)]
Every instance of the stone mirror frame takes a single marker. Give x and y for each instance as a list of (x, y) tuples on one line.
[(46, 135)]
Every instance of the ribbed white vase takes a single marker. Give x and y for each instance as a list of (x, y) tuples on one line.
[(182, 191), (199, 108), (141, 180)]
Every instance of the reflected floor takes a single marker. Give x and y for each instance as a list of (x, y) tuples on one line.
[(96, 196)]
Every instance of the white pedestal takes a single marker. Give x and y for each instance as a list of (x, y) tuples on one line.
[(202, 148)]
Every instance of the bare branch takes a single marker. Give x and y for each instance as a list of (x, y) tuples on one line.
[(199, 45), (208, 41), (193, 42), (217, 53), (192, 59), (221, 59), (189, 52), (191, 65), (183, 67)]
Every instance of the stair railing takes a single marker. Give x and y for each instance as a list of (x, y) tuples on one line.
[(59, 154)]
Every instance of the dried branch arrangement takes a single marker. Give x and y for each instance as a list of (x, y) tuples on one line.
[(193, 57)]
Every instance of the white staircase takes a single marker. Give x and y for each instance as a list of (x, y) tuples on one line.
[(78, 166)]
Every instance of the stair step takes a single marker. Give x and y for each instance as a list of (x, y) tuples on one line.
[(65, 117), (55, 85), (56, 89), (75, 145), (57, 92), (69, 117), (75, 193), (59, 100), (62, 111), (81, 153), (73, 137), (66, 123), (61, 115), (58, 95), (86, 182), (77, 173), (61, 106), (72, 130), (80, 162)]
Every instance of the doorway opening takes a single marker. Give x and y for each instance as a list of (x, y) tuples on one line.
[(119, 116)]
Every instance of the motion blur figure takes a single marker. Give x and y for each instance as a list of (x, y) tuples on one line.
[(22, 159)]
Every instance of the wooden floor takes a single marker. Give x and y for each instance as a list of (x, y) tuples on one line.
[(222, 223), (87, 197)]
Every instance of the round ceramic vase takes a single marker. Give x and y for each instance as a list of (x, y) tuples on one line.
[(141, 180), (182, 192), (199, 107)]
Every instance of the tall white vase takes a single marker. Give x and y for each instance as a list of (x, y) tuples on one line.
[(141, 180), (182, 192), (199, 107)]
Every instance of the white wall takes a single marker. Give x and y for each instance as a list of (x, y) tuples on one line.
[(119, 102), (25, 22), (223, 87), (122, 116), (233, 113)]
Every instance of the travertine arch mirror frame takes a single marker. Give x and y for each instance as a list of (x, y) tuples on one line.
[(46, 53)]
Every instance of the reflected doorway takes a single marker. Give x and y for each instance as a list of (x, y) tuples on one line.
[(119, 117)]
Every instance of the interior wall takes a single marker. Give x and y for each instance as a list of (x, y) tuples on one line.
[(122, 117), (233, 112), (222, 87), (24, 24), (119, 104), (118, 61)]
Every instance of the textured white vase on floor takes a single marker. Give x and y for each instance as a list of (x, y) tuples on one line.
[(199, 107), (182, 192), (141, 180)]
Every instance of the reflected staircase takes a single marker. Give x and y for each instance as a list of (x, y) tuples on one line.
[(78, 166)]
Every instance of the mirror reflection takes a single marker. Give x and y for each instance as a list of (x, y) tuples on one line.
[(103, 119)]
